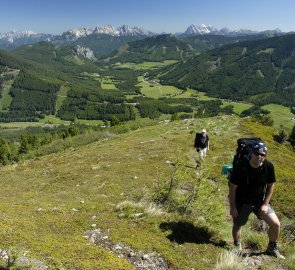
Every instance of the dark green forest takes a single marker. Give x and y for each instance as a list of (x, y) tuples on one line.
[(260, 71)]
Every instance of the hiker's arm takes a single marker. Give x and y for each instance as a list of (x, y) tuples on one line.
[(232, 200), (268, 194)]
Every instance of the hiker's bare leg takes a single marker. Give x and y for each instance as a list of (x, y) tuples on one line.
[(274, 226), (236, 232), (201, 154)]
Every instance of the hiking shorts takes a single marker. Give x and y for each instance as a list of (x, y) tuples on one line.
[(245, 210)]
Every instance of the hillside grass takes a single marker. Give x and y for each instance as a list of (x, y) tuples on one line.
[(145, 65), (61, 96), (107, 83), (238, 107), (6, 99), (155, 90), (48, 203), (281, 116)]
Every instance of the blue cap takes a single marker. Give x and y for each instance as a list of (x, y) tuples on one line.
[(259, 147)]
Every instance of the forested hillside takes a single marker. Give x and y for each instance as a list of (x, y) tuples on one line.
[(156, 48), (260, 71)]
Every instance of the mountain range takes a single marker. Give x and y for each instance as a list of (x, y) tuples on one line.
[(17, 38)]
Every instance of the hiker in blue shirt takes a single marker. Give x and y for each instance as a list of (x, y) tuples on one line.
[(251, 188)]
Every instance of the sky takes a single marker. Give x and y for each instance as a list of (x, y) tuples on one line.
[(169, 16)]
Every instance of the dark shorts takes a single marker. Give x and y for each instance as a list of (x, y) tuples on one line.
[(245, 210)]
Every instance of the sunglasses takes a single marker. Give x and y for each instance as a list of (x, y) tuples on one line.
[(259, 154)]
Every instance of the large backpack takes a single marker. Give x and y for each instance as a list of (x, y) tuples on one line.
[(200, 141), (243, 154), (244, 150)]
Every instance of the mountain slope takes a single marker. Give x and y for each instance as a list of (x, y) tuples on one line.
[(261, 71), (49, 203), (102, 44), (156, 48)]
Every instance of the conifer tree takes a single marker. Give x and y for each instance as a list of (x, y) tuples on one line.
[(292, 137)]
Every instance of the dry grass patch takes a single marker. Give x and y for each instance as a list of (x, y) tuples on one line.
[(228, 260)]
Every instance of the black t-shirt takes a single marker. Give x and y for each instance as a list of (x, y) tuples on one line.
[(251, 181), (201, 141)]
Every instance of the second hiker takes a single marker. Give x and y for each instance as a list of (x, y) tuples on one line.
[(202, 143)]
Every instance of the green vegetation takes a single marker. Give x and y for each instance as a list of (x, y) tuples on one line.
[(260, 71), (61, 96), (107, 83), (92, 151), (152, 49), (6, 99), (145, 65), (50, 202), (281, 116), (153, 89), (238, 107)]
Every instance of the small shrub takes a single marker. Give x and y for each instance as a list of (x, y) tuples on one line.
[(281, 137), (230, 261), (292, 137), (129, 209), (255, 241)]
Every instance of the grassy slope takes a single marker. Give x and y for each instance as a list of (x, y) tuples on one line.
[(6, 99), (127, 167), (281, 116)]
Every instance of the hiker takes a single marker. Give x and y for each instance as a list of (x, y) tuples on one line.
[(251, 188), (202, 143)]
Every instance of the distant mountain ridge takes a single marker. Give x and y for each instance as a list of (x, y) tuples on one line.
[(17, 38), (124, 30), (204, 29), (74, 34)]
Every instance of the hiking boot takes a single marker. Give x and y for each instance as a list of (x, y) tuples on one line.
[(238, 247), (273, 250)]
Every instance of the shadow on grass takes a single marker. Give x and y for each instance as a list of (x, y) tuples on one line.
[(251, 254), (185, 232)]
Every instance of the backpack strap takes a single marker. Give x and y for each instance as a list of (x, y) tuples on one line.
[(265, 186)]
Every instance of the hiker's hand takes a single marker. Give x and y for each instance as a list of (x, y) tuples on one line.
[(263, 209), (233, 212)]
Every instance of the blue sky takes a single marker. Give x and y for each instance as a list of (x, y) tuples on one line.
[(171, 16)]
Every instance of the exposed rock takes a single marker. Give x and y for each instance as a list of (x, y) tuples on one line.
[(85, 52), (147, 261)]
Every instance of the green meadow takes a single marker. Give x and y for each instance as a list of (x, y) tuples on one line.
[(139, 188), (61, 95), (145, 65), (281, 116), (238, 106), (107, 83), (6, 98)]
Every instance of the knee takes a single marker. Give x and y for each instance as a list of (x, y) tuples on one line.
[(275, 225)]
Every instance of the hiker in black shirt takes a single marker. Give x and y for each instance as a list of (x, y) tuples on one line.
[(202, 143), (251, 188)]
